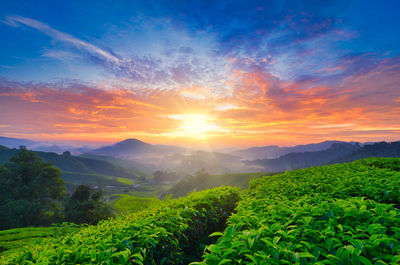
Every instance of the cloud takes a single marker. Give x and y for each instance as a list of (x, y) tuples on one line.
[(184, 66), (285, 69), (140, 69), (61, 36)]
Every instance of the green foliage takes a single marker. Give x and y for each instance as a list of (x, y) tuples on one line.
[(29, 190), (81, 170), (339, 214), (125, 181), (19, 237), (13, 240), (85, 206), (131, 204), (173, 233)]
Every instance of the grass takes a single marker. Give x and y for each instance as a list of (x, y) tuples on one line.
[(94, 179), (125, 181)]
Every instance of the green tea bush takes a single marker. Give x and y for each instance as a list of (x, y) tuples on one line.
[(131, 204), (173, 233), (339, 214), (12, 240)]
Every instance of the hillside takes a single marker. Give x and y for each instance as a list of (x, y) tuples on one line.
[(78, 170), (15, 142), (381, 149), (131, 165), (203, 180), (337, 214), (175, 232), (13, 240), (274, 151), (306, 159), (133, 148)]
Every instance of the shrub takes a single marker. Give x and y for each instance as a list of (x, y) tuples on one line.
[(339, 214), (173, 233)]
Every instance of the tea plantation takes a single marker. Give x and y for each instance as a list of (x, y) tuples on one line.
[(338, 214), (174, 233)]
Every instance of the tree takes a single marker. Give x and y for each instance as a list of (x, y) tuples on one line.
[(66, 153), (30, 191), (85, 206)]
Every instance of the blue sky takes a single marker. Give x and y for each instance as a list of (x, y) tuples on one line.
[(155, 30), (206, 49)]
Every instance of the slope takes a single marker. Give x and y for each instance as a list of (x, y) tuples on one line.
[(175, 232), (338, 214), (381, 149), (78, 170), (306, 159)]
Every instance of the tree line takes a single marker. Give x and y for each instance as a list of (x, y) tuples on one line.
[(32, 193)]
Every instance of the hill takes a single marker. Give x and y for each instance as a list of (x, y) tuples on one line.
[(339, 214), (131, 165), (381, 149), (274, 151), (79, 170), (130, 204), (13, 240), (202, 180), (306, 159), (15, 142), (133, 148), (336, 214), (175, 232), (42, 146)]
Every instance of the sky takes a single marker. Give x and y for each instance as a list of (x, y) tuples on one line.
[(220, 73)]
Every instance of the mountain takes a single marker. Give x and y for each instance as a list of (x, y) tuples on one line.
[(42, 146), (274, 151), (127, 147), (15, 142), (133, 148), (381, 149), (297, 160), (77, 170), (59, 149)]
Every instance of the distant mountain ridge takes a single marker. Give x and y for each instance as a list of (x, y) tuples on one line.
[(41, 146), (380, 149), (341, 152), (296, 160), (15, 142), (274, 151), (133, 148)]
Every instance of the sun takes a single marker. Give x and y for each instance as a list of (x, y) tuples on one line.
[(196, 125)]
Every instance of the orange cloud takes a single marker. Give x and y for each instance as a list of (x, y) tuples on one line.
[(261, 109)]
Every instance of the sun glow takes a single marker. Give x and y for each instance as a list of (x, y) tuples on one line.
[(196, 125)]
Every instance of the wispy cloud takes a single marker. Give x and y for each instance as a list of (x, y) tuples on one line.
[(61, 36), (181, 69), (141, 69)]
